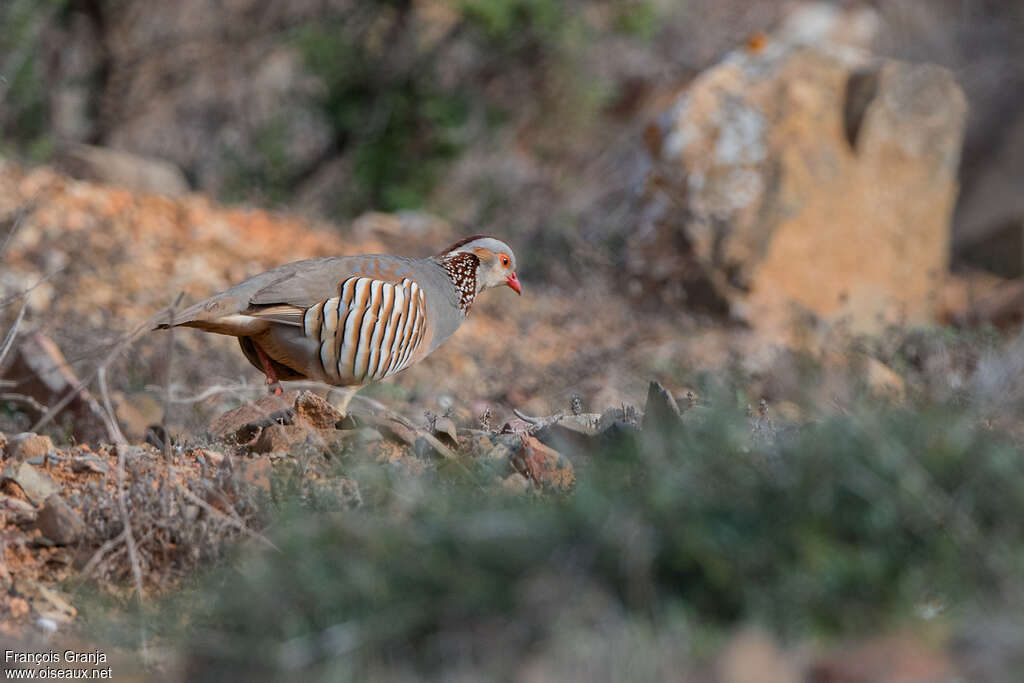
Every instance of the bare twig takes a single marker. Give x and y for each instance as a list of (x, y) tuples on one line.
[(20, 214), (14, 297), (527, 418), (119, 346), (101, 552), (112, 426), (216, 390), (539, 422), (167, 379), (241, 388), (12, 333), (129, 537), (237, 523), (133, 551)]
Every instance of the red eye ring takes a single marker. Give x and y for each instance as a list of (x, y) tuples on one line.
[(504, 260)]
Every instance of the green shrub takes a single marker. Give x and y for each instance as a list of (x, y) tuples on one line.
[(24, 118), (836, 527), (510, 22), (399, 126)]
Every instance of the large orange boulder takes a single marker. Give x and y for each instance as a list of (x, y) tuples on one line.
[(794, 182)]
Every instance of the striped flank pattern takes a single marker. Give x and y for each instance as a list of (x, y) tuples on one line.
[(369, 331)]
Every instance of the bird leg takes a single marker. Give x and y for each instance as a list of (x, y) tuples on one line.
[(268, 370)]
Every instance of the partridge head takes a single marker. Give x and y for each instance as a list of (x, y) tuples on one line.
[(352, 320)]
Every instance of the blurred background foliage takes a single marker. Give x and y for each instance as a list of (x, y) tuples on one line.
[(488, 112), (396, 108)]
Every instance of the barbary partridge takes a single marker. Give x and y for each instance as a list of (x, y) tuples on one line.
[(352, 320)]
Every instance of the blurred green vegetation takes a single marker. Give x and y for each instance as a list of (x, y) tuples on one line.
[(401, 118), (392, 113), (514, 22), (397, 124), (24, 116), (638, 18), (404, 92), (264, 166), (881, 514)]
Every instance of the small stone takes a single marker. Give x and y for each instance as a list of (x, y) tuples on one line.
[(242, 424), (394, 430), (347, 422), (310, 409), (277, 438), (28, 445), (18, 511), (37, 485), (89, 463), (661, 411), (574, 434), (546, 466), (584, 423), (59, 522), (444, 429)]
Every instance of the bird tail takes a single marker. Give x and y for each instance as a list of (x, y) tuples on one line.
[(186, 318)]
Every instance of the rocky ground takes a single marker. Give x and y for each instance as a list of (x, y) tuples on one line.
[(518, 401), (65, 509)]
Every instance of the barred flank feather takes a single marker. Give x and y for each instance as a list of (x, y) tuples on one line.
[(370, 330)]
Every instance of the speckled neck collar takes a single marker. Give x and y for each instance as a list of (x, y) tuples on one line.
[(461, 268)]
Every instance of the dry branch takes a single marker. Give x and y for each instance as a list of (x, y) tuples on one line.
[(12, 333), (124, 342), (117, 435), (101, 552), (129, 537), (167, 379), (231, 520)]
